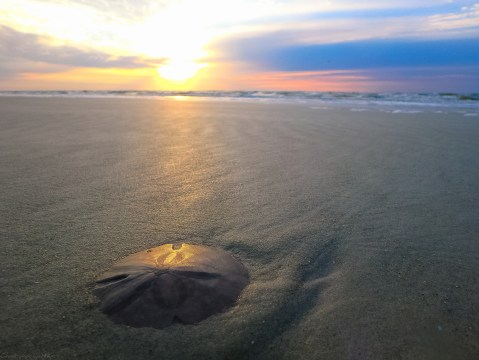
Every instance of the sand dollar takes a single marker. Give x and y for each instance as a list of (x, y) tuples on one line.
[(168, 283)]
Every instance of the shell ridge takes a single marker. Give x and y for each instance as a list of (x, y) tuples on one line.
[(118, 300)]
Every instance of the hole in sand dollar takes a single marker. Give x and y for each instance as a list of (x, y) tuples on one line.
[(168, 283)]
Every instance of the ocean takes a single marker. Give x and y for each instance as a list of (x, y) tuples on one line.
[(461, 100)]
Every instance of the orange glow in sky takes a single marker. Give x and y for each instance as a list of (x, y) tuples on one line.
[(238, 44)]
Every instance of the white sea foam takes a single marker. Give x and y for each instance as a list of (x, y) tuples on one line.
[(315, 98), (397, 111)]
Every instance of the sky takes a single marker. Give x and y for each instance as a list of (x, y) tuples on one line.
[(302, 45)]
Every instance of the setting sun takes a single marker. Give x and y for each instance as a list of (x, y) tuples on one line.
[(179, 71)]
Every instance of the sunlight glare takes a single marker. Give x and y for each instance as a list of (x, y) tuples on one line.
[(179, 71)]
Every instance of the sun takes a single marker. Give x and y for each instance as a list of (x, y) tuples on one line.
[(179, 70)]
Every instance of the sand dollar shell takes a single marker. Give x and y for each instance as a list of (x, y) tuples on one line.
[(168, 283)]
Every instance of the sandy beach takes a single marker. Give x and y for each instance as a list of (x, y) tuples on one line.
[(359, 229)]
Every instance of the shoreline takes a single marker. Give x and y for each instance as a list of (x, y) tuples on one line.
[(334, 99)]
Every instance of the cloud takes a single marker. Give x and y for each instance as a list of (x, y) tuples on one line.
[(442, 21), (274, 52), (374, 54), (146, 27), (467, 17), (364, 65), (128, 9), (418, 79), (34, 48), (11, 67)]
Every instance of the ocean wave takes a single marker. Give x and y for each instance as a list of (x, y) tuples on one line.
[(353, 98)]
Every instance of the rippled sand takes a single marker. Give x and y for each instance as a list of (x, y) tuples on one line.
[(359, 228)]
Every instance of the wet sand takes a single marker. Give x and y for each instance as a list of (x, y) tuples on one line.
[(359, 229)]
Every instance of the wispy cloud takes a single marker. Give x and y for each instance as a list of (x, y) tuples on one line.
[(269, 53), (35, 48), (467, 17)]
